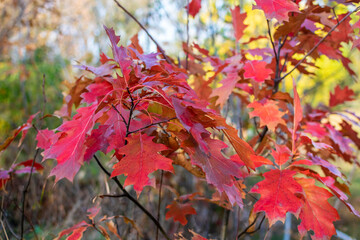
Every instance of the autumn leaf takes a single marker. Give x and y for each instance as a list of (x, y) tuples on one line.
[(223, 92), (317, 214), (141, 159), (278, 9), (196, 236), (341, 95), (281, 155), (238, 22), (268, 112), (22, 129), (69, 148), (219, 170), (76, 231), (178, 211), (194, 7), (257, 70), (278, 195)]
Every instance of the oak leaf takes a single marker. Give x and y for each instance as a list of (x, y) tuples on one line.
[(278, 9), (178, 211), (141, 159), (317, 214), (238, 22), (341, 95), (268, 112), (257, 70), (278, 195)]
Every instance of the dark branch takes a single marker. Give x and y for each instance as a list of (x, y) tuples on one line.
[(119, 114), (152, 124), (131, 198), (159, 203), (23, 200), (245, 231), (146, 31), (112, 196)]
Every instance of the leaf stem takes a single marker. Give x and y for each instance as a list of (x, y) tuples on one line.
[(146, 31)]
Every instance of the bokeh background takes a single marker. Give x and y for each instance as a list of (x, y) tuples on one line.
[(41, 40)]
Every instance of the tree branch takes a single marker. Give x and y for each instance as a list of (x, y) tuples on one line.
[(24, 196), (152, 124), (131, 198), (245, 231), (159, 203), (112, 196), (146, 31)]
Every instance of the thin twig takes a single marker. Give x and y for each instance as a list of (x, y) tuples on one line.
[(187, 36), (131, 198), (24, 196), (112, 196), (245, 231), (152, 124), (317, 45), (119, 114), (4, 216), (146, 31), (271, 39), (159, 203), (333, 9)]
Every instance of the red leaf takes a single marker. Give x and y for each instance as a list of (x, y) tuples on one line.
[(141, 159), (4, 177), (315, 129), (27, 167), (22, 129), (341, 95), (45, 138), (69, 148), (238, 22), (278, 195), (196, 236), (76, 231), (281, 155), (268, 113), (219, 170), (348, 131), (317, 214), (257, 70), (178, 211), (194, 7), (223, 92), (278, 9), (242, 148)]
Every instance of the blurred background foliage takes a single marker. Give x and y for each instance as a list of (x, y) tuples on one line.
[(41, 40)]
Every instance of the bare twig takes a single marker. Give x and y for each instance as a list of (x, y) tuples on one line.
[(245, 231), (146, 31), (24, 196), (122, 117), (152, 124), (4, 216), (112, 196), (159, 203)]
